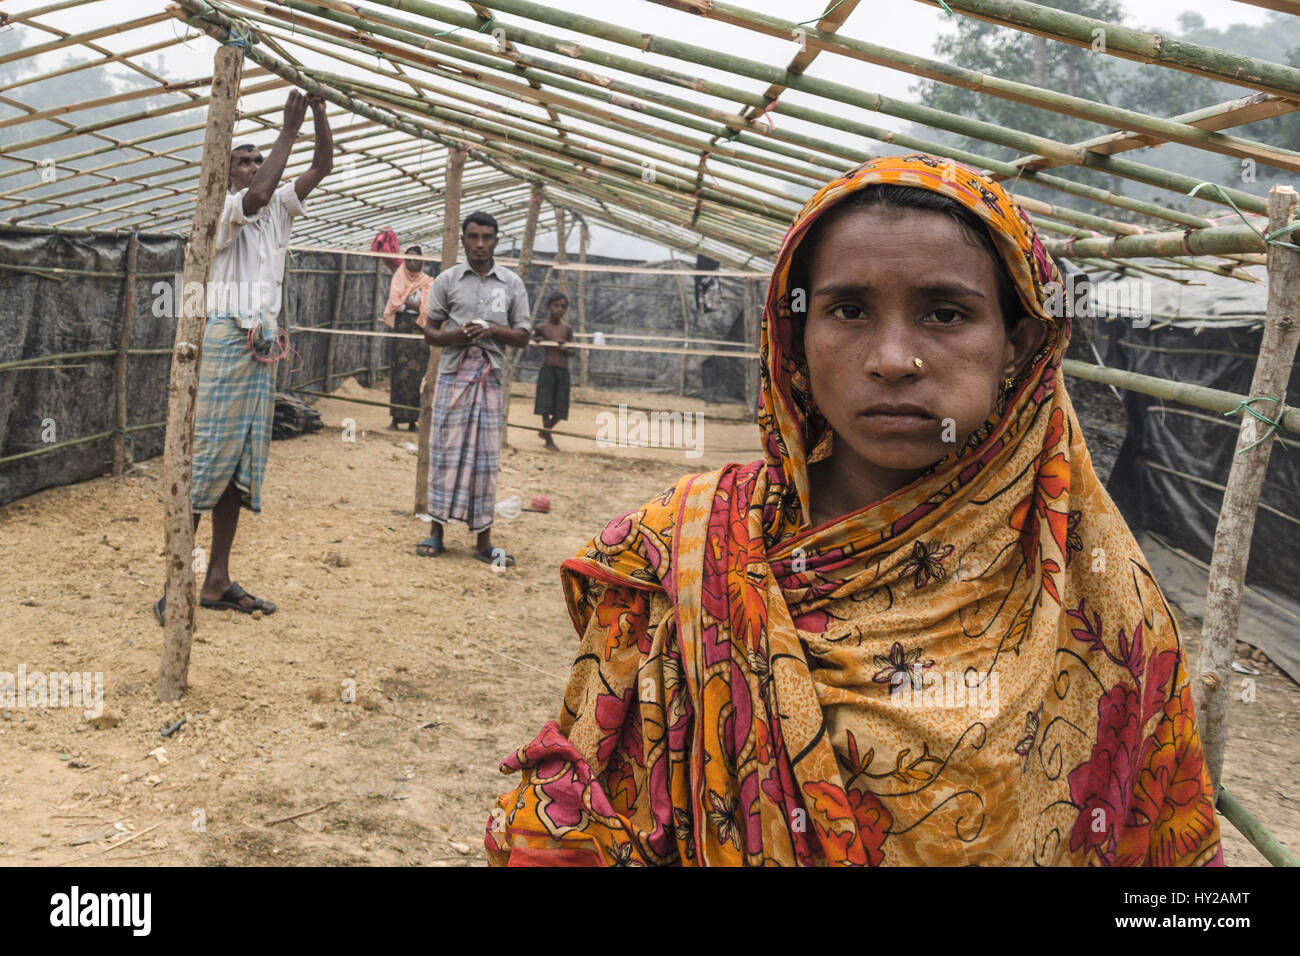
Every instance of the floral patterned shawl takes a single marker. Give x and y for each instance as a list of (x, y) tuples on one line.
[(978, 669)]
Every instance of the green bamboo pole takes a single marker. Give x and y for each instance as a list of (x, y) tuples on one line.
[(635, 145), (723, 152), (583, 152), (1131, 44), (1198, 396), (77, 441), (998, 168), (927, 116), (563, 76), (1254, 831), (1219, 239), (1160, 129)]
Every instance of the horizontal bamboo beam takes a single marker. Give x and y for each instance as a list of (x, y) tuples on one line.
[(1198, 396), (1153, 128), (1216, 240), (1130, 44)]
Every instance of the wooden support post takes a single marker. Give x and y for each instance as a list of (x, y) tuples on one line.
[(1236, 525), (525, 263), (376, 321), (334, 322), (751, 326), (124, 343), (584, 237), (182, 389), (286, 321), (686, 325), (450, 254)]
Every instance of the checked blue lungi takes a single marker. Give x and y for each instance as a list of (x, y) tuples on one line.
[(232, 417), (465, 443)]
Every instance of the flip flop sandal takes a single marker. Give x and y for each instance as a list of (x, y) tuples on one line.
[(160, 610), (434, 545), (230, 601), (490, 557)]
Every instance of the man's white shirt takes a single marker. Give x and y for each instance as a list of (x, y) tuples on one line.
[(247, 277)]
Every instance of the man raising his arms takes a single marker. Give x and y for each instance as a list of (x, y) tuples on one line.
[(234, 406)]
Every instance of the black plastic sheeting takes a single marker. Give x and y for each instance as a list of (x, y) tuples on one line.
[(1175, 455), (622, 303), (53, 314)]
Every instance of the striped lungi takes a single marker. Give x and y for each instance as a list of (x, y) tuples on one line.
[(232, 417), (465, 443)]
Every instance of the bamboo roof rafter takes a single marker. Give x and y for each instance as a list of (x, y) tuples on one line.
[(652, 141)]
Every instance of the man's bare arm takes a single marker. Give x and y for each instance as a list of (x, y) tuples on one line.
[(267, 177), (322, 158)]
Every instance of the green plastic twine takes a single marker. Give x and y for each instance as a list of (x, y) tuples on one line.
[(1248, 406), (1271, 238)]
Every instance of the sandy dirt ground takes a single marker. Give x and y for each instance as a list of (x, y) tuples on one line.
[(451, 665)]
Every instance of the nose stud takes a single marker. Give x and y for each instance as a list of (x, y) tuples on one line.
[(917, 362)]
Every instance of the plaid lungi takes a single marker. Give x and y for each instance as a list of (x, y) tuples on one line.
[(232, 417), (465, 443)]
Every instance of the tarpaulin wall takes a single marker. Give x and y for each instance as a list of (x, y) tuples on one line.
[(1172, 468), (669, 306), (46, 406)]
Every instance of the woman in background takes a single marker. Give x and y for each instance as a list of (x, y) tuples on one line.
[(917, 631), (404, 312)]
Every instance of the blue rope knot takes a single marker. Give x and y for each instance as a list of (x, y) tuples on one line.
[(1247, 405)]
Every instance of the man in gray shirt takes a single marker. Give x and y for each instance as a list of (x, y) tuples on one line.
[(474, 309)]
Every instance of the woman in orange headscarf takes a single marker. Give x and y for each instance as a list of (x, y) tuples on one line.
[(917, 631)]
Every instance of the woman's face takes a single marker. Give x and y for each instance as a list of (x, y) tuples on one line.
[(887, 287)]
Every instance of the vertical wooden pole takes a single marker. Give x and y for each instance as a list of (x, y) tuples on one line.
[(182, 389), (686, 326), (525, 263), (450, 254), (376, 322), (1236, 525), (286, 322), (334, 323), (124, 343), (751, 326), (584, 237)]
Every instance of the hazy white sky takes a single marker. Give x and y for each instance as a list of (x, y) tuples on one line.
[(901, 24)]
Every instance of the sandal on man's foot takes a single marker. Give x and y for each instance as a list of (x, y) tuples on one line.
[(430, 547), (230, 601), (496, 557)]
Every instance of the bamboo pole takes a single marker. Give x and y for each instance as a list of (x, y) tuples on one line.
[(1130, 44), (841, 93), (584, 237), (414, 33), (182, 389), (525, 264), (1277, 351), (1212, 241), (336, 316), (686, 329), (1198, 396), (1156, 129), (286, 322), (123, 343), (376, 320), (450, 254), (752, 328), (1254, 831)]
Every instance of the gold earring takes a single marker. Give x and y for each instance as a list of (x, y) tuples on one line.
[(917, 362), (1009, 384)]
